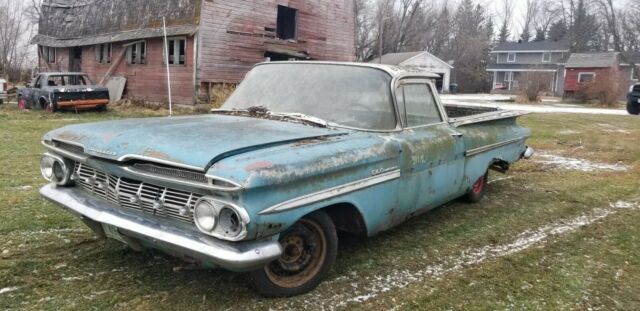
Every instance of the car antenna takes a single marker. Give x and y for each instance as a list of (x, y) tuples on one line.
[(166, 60)]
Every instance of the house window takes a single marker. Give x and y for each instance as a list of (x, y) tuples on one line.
[(137, 53), (508, 76), (49, 54), (287, 20), (103, 53), (511, 57), (177, 48), (546, 57), (586, 77)]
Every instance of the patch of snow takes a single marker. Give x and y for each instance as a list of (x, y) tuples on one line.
[(499, 179), (8, 290), (24, 188), (568, 132), (574, 164), (367, 288)]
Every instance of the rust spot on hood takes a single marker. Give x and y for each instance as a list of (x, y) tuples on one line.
[(258, 165), (159, 155)]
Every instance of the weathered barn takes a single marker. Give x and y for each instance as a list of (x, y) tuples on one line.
[(209, 41), (583, 68)]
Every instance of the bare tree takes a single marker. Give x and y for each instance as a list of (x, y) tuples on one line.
[(530, 14), (15, 33), (505, 16)]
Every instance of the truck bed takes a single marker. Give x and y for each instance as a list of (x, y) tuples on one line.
[(460, 115)]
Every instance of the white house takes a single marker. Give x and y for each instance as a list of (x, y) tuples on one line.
[(421, 60)]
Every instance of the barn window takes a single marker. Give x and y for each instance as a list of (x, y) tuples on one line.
[(103, 53), (511, 57), (137, 53), (586, 77), (287, 20), (49, 54), (177, 48), (546, 57)]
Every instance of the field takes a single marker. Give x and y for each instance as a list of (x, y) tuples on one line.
[(557, 232)]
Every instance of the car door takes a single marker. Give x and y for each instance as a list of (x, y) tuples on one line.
[(432, 164), (35, 92)]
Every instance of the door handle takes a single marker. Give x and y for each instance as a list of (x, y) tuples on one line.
[(457, 135)]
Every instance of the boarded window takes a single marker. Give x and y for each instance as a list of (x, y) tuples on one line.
[(49, 54), (417, 105), (137, 53), (287, 20), (177, 48), (103, 53), (586, 77)]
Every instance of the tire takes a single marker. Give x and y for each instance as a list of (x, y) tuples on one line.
[(633, 108), (310, 247), (478, 189), (102, 108), (22, 104)]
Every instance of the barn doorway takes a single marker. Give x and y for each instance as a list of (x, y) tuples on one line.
[(75, 59), (439, 81)]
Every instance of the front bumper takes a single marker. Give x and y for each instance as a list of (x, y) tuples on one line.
[(238, 256)]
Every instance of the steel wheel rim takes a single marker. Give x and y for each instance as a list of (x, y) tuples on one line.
[(477, 187), (310, 236)]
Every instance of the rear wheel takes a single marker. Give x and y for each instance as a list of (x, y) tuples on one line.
[(477, 191), (633, 108), (309, 248), (22, 104)]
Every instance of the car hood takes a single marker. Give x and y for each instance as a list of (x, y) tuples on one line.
[(196, 142), (77, 88)]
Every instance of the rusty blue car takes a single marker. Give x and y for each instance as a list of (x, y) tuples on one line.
[(299, 152)]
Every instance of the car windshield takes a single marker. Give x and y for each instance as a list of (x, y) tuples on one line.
[(350, 96), (68, 80)]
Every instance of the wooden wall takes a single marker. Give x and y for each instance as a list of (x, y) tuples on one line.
[(233, 37), (571, 79)]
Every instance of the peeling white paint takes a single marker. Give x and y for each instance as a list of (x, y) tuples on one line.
[(552, 161), (367, 288)]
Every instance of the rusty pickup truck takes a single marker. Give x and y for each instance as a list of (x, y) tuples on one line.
[(54, 91), (300, 151)]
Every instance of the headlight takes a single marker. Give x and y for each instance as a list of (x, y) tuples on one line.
[(56, 169), (220, 219), (205, 216)]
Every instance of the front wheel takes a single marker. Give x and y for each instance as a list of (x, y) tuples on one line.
[(633, 108), (477, 191), (309, 251)]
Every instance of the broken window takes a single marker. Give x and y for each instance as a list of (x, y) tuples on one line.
[(49, 54), (287, 20), (103, 53), (177, 48), (137, 53)]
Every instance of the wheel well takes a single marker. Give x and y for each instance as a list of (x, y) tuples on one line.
[(346, 217), (42, 102), (499, 165)]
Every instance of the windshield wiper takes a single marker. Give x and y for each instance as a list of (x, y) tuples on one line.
[(264, 113), (302, 117)]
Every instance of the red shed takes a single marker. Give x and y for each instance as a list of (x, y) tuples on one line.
[(209, 42), (585, 67)]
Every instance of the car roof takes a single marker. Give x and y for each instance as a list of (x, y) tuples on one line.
[(394, 71)]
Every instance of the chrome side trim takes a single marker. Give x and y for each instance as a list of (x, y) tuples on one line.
[(238, 256), (159, 161), (184, 182), (472, 152), (332, 192), (65, 153)]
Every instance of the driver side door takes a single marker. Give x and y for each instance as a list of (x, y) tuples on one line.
[(432, 162)]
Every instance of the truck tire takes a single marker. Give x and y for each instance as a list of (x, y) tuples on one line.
[(633, 108), (22, 104), (478, 190), (309, 247)]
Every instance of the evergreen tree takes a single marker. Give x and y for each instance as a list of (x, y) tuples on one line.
[(557, 31), (540, 35)]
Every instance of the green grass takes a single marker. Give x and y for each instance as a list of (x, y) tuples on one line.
[(58, 264)]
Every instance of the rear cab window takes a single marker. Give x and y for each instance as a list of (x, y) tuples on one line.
[(416, 104)]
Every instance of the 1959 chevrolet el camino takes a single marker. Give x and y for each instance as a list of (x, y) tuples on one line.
[(300, 151)]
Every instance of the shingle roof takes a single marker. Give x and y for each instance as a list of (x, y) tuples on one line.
[(532, 46), (592, 60), (68, 20), (395, 58)]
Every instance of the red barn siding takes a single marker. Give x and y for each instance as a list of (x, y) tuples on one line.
[(571, 80), (233, 36)]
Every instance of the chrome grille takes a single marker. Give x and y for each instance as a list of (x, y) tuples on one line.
[(136, 195)]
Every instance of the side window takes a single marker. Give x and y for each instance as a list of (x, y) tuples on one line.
[(417, 105)]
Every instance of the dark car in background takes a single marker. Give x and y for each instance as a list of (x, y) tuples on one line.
[(56, 91), (633, 99)]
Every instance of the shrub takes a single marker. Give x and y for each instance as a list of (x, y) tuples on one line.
[(532, 85)]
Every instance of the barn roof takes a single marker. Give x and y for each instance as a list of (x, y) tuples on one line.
[(592, 60), (66, 23), (535, 46)]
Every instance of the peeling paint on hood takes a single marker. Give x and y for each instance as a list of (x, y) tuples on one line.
[(196, 141)]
